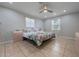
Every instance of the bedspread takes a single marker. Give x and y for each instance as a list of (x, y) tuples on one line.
[(38, 37)]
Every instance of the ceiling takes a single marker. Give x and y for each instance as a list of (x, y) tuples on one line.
[(32, 9)]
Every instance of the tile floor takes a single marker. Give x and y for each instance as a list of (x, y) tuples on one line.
[(52, 48)]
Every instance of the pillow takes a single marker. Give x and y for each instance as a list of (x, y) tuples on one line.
[(24, 30)]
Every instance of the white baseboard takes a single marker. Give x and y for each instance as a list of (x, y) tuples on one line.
[(5, 42), (66, 37)]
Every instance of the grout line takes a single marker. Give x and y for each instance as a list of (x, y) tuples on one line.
[(64, 50)]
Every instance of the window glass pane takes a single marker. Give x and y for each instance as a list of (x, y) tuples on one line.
[(56, 24), (30, 22)]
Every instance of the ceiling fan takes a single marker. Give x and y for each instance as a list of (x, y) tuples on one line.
[(44, 9)]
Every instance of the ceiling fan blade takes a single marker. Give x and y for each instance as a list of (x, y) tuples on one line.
[(50, 11), (41, 11)]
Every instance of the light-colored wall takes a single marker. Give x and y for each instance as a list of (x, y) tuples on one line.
[(39, 24), (69, 25), (10, 21)]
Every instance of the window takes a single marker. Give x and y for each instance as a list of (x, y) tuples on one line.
[(30, 22), (56, 24)]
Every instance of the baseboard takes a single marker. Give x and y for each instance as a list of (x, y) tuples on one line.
[(66, 37), (5, 42)]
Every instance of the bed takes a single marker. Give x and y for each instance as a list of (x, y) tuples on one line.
[(38, 36)]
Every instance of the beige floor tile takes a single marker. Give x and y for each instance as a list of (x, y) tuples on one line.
[(51, 53), (70, 54), (12, 50), (2, 50), (51, 48)]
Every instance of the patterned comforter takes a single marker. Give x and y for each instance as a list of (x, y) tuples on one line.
[(38, 37)]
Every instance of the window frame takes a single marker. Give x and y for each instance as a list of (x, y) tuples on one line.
[(55, 24), (30, 23)]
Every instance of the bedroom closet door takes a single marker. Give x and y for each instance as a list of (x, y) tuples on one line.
[(1, 36)]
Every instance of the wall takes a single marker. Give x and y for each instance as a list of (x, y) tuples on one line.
[(39, 24), (69, 25), (10, 21)]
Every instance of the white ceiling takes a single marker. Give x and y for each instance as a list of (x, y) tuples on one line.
[(31, 9)]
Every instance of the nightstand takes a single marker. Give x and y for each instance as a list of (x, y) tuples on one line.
[(17, 36)]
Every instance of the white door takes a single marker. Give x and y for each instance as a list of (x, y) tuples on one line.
[(1, 35)]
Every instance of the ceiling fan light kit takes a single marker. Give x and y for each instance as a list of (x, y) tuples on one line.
[(44, 9)]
